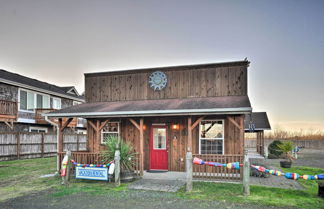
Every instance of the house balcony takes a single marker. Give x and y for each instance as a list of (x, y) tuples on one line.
[(8, 111), (40, 119)]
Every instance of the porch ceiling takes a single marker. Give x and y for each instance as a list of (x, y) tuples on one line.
[(161, 107)]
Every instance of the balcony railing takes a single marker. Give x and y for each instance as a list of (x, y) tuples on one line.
[(8, 110), (41, 119)]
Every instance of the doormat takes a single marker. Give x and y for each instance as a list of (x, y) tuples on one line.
[(156, 171)]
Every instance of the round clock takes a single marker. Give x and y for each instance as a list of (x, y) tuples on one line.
[(158, 80)]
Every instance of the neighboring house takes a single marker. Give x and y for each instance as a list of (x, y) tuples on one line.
[(23, 100), (167, 111)]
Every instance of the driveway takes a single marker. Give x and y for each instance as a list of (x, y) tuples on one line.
[(133, 199)]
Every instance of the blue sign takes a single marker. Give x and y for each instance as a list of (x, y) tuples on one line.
[(92, 173)]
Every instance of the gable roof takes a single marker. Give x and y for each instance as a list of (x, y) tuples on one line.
[(260, 119), (33, 84), (70, 90), (158, 107)]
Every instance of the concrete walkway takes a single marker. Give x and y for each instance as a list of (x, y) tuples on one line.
[(165, 182)]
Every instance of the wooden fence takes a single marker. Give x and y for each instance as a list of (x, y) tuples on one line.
[(211, 172), (308, 144), (34, 145)]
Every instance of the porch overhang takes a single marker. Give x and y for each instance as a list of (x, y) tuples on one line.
[(163, 107)]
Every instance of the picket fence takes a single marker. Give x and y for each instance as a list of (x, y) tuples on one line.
[(24, 145)]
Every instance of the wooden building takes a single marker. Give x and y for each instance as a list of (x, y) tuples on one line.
[(167, 111)]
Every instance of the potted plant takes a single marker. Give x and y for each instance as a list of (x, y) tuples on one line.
[(286, 147), (127, 155)]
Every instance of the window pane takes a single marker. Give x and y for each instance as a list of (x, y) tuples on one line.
[(23, 100), (30, 101), (106, 136), (56, 103), (39, 101), (159, 138), (110, 127), (46, 101), (211, 146), (211, 129)]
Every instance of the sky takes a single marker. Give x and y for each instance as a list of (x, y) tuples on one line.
[(57, 41)]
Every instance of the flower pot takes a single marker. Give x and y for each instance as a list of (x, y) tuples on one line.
[(285, 164), (127, 176)]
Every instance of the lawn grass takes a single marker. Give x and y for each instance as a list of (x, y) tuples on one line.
[(310, 185), (261, 195), (87, 186), (19, 177)]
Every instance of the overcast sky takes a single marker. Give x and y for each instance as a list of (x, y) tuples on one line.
[(58, 41)]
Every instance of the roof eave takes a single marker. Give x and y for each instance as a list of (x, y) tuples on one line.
[(147, 113)]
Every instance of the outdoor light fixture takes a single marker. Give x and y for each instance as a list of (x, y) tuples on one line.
[(144, 127), (175, 126)]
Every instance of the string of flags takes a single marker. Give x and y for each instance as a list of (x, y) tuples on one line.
[(237, 166), (92, 165)]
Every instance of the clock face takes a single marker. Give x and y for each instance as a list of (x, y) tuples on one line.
[(158, 80)]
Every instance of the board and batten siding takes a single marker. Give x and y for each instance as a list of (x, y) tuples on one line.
[(182, 83), (177, 139)]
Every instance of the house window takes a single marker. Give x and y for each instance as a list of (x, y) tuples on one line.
[(211, 137), (111, 129), (79, 131), (38, 129), (76, 102), (29, 100), (26, 100), (56, 103), (42, 101)]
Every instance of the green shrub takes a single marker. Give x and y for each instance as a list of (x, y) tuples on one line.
[(127, 153), (273, 148)]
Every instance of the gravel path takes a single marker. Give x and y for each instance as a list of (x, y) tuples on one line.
[(133, 199)]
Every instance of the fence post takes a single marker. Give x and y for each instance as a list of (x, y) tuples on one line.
[(189, 171), (42, 145), (246, 174), (18, 145), (117, 168)]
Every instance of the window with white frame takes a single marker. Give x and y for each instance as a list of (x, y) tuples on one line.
[(111, 129), (56, 103), (38, 129), (26, 100), (42, 101), (29, 100), (211, 137)]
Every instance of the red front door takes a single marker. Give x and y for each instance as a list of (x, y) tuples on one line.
[(159, 148)]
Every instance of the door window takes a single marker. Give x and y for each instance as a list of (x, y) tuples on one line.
[(159, 138)]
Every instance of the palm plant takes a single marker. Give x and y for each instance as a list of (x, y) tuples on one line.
[(286, 147), (127, 153)]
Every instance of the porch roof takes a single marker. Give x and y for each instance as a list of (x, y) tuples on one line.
[(259, 119), (187, 106)]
